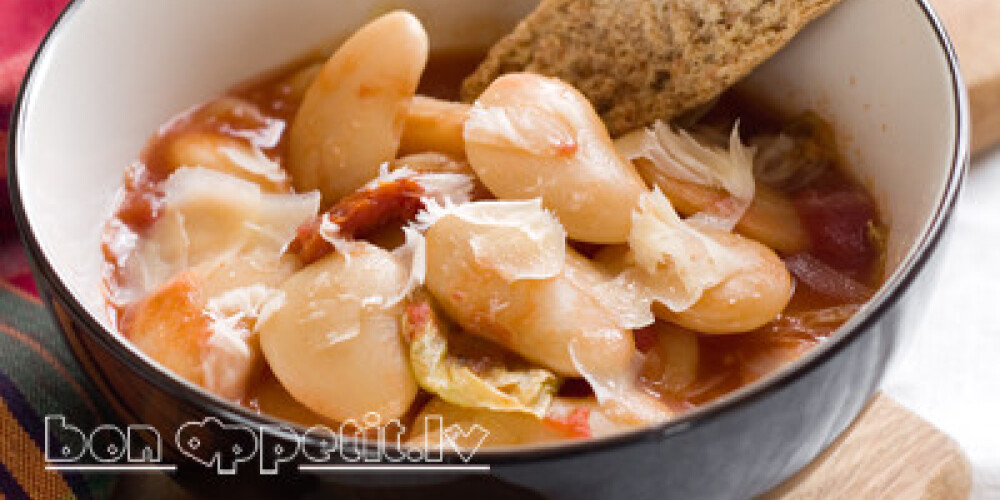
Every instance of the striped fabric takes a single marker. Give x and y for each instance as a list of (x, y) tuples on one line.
[(38, 375)]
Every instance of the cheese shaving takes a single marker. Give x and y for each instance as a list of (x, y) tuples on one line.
[(233, 318), (208, 215), (525, 242), (543, 118), (677, 156), (254, 161), (330, 231), (617, 392), (254, 302), (679, 259), (440, 186), (457, 188), (279, 216), (538, 116), (412, 255)]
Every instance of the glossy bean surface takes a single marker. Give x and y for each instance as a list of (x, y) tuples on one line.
[(334, 343), (531, 136), (537, 318), (351, 118)]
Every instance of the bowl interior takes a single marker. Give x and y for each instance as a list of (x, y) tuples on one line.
[(112, 72)]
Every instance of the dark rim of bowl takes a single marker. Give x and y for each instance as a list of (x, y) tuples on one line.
[(889, 294)]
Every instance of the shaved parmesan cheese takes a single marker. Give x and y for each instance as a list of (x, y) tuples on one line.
[(208, 215), (524, 240), (680, 260), (774, 165), (121, 242), (412, 255), (160, 255), (674, 156), (440, 186), (211, 209), (546, 118), (224, 366), (387, 176), (457, 188), (669, 261), (330, 232), (619, 395), (627, 297), (228, 358), (241, 304), (279, 217), (255, 162)]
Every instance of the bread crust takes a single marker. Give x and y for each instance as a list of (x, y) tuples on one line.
[(642, 60)]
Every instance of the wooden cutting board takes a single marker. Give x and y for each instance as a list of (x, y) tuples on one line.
[(974, 26), (888, 453)]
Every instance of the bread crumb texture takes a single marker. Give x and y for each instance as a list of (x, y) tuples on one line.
[(642, 60)]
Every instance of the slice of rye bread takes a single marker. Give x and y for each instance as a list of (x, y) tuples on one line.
[(642, 60)]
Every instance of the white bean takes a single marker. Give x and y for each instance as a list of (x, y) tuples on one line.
[(176, 323), (747, 300), (433, 125), (334, 344), (531, 136), (536, 318), (352, 116)]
